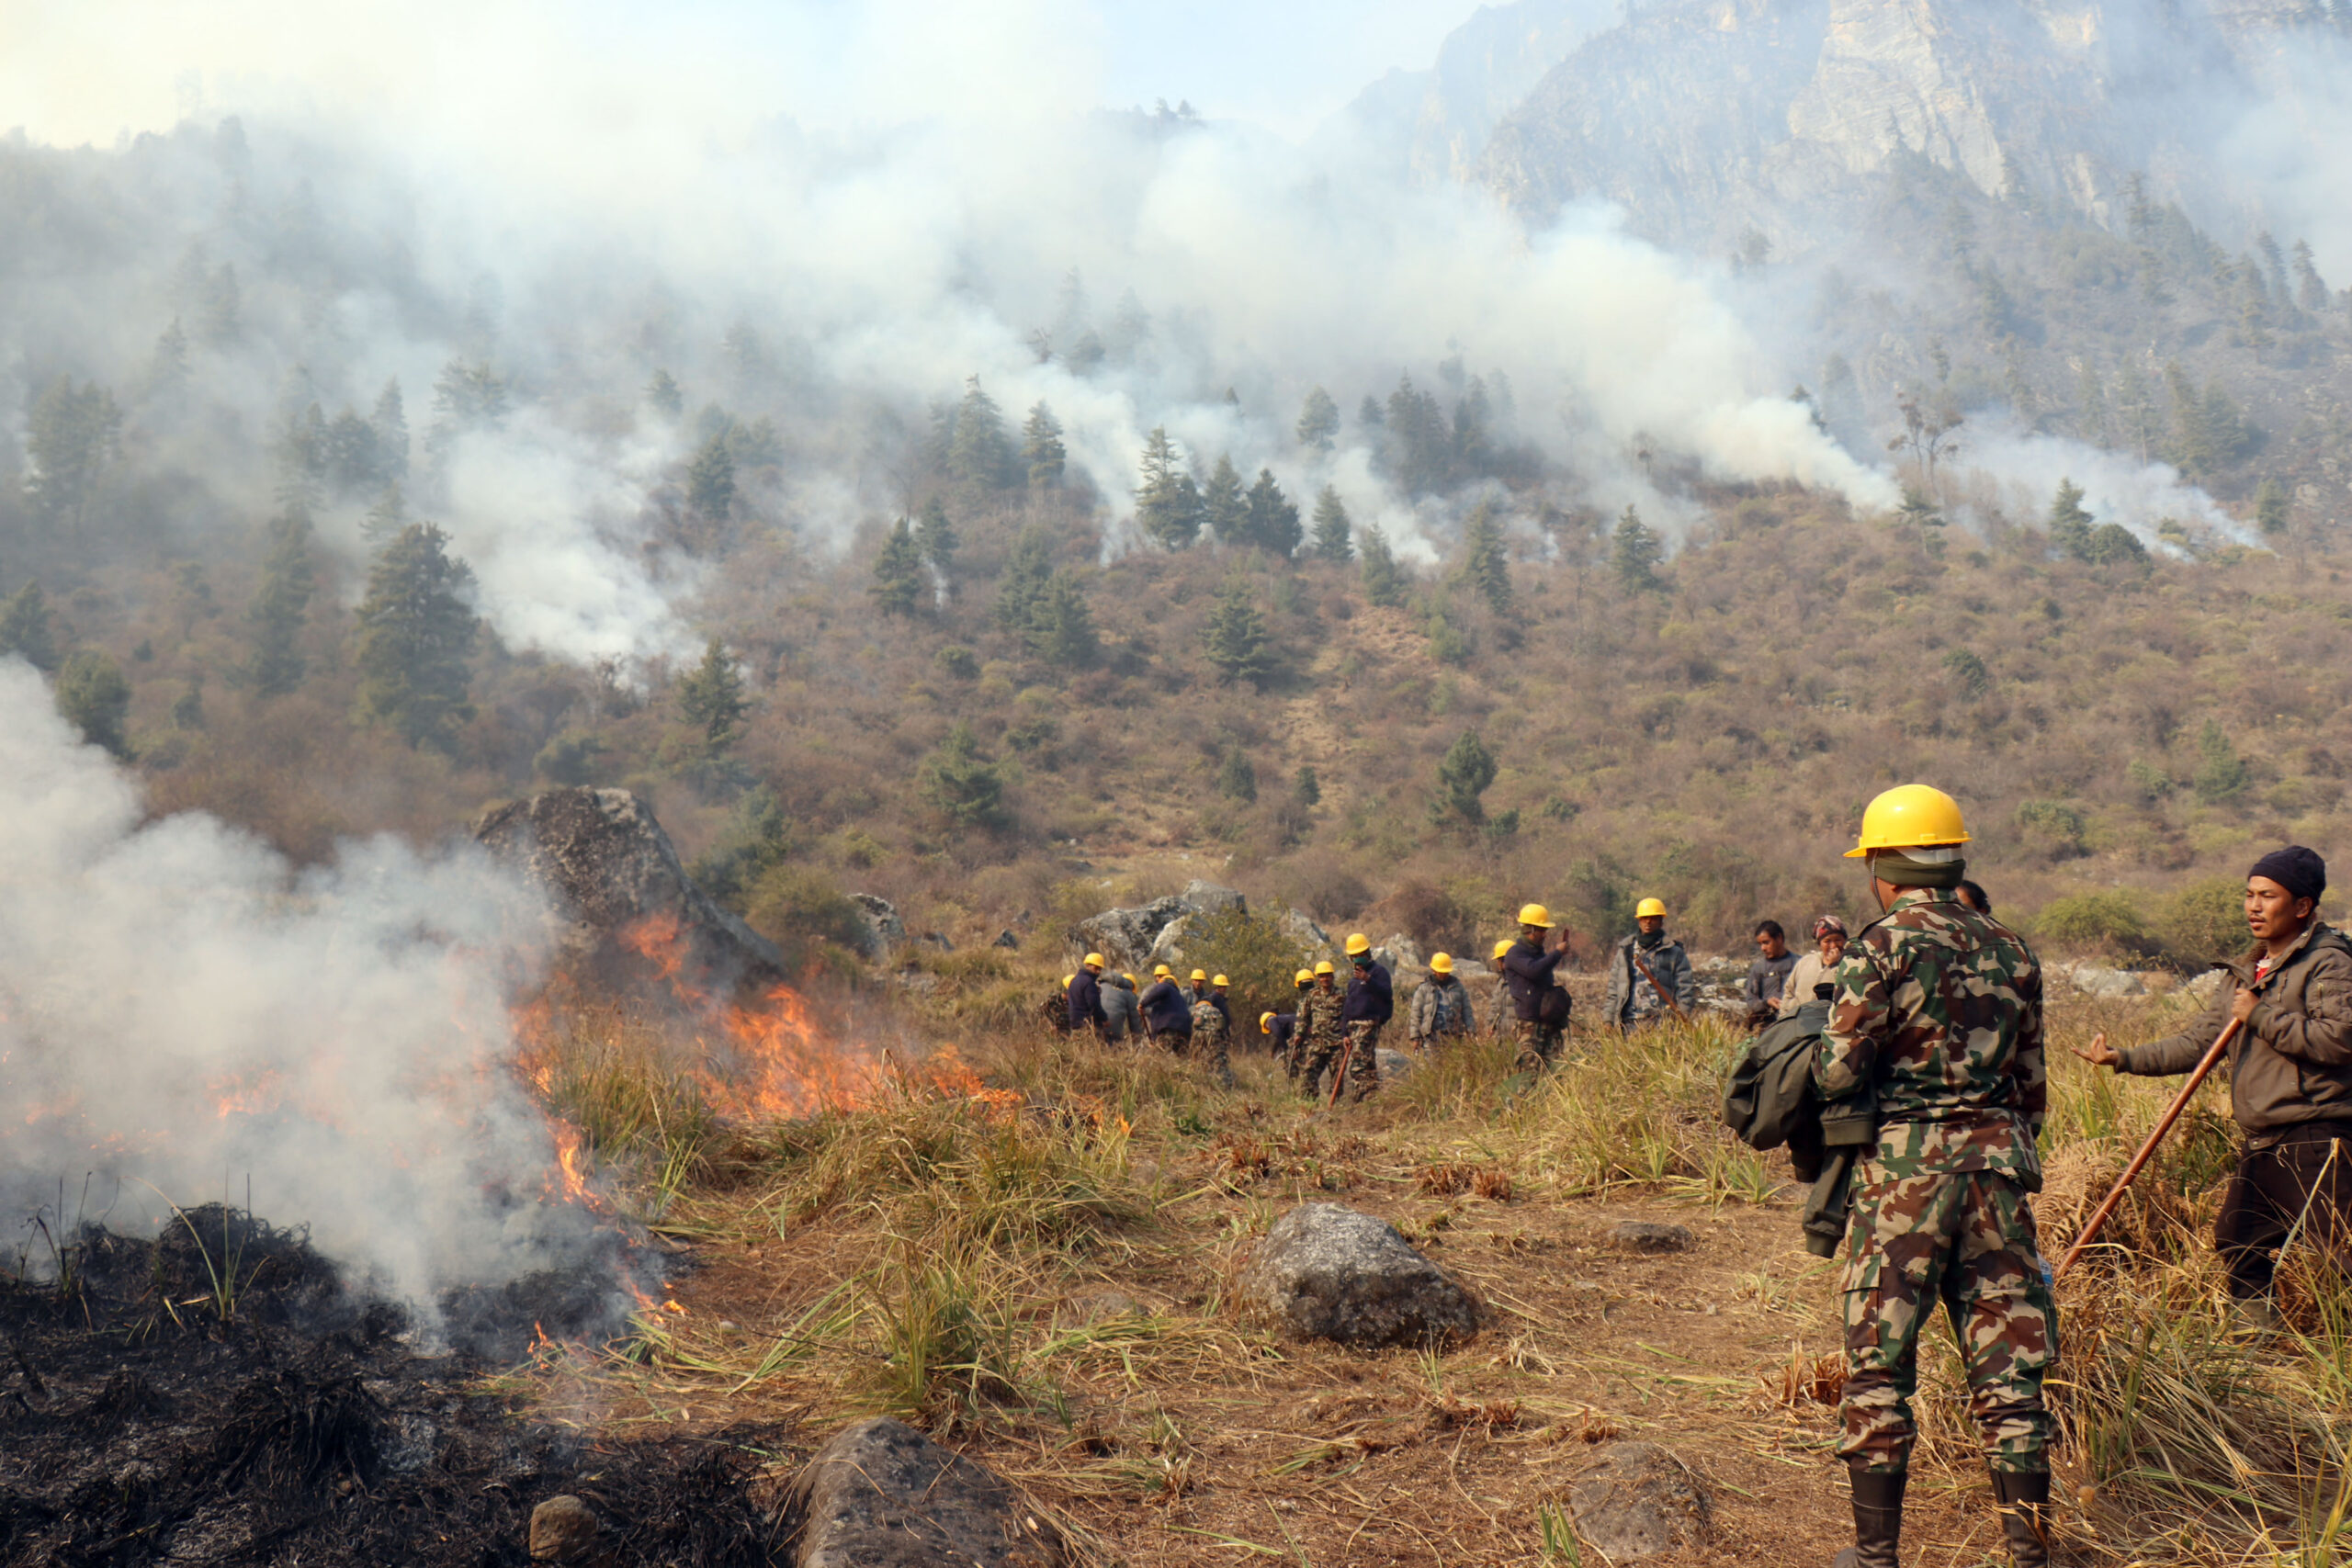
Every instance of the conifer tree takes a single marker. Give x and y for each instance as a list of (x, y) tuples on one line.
[(282, 606), (2270, 508), (980, 453), (935, 535), (1168, 503), (2310, 289), (710, 478), (963, 786), (1383, 579), (352, 463), (94, 699), (1634, 552), (1236, 638), (416, 630), (72, 435), (168, 371), (1368, 412), (386, 518), (1274, 520), (1026, 571), (1485, 567), (710, 698), (1237, 779), (1462, 779), (1332, 542), (2091, 397), (1061, 627), (26, 628), (390, 420), (1307, 789), (1319, 421), (1041, 449), (1222, 506), (662, 396), (2070, 525), (897, 583)]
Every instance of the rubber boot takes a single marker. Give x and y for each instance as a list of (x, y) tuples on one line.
[(1878, 1519), (2023, 1497)]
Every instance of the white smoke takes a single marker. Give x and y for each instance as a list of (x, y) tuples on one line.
[(185, 1018), (2026, 471)]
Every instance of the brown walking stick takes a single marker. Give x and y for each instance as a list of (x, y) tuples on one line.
[(1339, 1072), (2100, 1216), (1663, 994)]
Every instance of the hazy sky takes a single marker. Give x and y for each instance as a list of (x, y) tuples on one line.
[(85, 70)]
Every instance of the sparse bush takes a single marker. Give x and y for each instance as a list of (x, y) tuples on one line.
[(95, 699), (2053, 828), (1255, 954), (2107, 924), (810, 920), (2203, 921)]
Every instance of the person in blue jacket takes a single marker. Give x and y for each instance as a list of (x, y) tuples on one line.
[(1086, 998), (1167, 1011), (1371, 1003), (1541, 1018)]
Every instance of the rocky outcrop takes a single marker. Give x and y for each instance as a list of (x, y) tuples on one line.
[(885, 929), (1325, 1272), (880, 1494), (1138, 938), (620, 899)]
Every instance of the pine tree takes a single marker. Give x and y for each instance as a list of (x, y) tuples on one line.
[(167, 370), (1237, 779), (897, 583), (2310, 289), (710, 478), (1485, 566), (662, 396), (1041, 449), (390, 420), (2270, 508), (470, 397), (710, 698), (2221, 773), (2091, 397), (1236, 638), (386, 518), (95, 699), (981, 454), (281, 605), (1168, 505), (1319, 421), (935, 535), (1368, 413), (71, 435), (1917, 512), (1222, 506), (1061, 627), (1383, 579), (1273, 521), (1462, 778), (1635, 553), (26, 628), (416, 630), (1023, 582), (2135, 410), (1332, 542), (1307, 789), (963, 786), (2070, 525)]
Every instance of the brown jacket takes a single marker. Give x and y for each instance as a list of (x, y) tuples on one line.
[(2292, 1063)]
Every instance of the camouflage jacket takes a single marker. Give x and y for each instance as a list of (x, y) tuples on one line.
[(1938, 1009), (1318, 1015)]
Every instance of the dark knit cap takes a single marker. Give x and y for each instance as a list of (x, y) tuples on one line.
[(2298, 870)]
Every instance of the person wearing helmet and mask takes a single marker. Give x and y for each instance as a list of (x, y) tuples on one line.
[(1167, 1012), (1321, 1034), (1936, 1018), (1213, 1025), (1086, 1014), (1370, 1003), (1636, 998), (1815, 967), (1498, 1008), (1282, 1027), (1539, 1003), (1125, 1022), (1441, 1005)]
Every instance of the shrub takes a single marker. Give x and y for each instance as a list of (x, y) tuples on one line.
[(2203, 921), (2053, 828), (809, 919), (1254, 953), (2105, 923)]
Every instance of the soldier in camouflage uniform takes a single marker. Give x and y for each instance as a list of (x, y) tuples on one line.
[(1937, 1011), (1319, 1038)]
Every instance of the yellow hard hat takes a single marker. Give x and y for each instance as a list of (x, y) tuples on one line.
[(1536, 915), (1908, 815), (1220, 980), (1161, 972), (1442, 964), (1066, 980), (1130, 980), (1199, 976), (1094, 961), (1265, 1024), (1502, 947), (1323, 966), (1649, 906), (1304, 977), (1358, 942)]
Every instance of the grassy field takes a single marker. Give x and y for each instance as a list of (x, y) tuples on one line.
[(1028, 1247)]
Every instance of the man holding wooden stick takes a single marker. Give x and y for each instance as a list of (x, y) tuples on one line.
[(1937, 1012), (2291, 1076)]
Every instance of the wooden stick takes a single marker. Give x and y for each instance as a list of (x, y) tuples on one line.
[(1663, 994), (2100, 1215)]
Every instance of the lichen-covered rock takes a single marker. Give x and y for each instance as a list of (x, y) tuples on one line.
[(883, 1495), (1647, 1236), (1637, 1501), (884, 929), (618, 893), (1213, 899), (1326, 1272)]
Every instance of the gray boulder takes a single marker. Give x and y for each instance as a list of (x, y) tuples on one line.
[(883, 1495), (1637, 1501), (1126, 936), (1168, 946), (1301, 929), (2098, 980), (1211, 899), (1646, 1235), (885, 928), (1400, 952), (1394, 1065), (1325, 1272), (1005, 938), (613, 881)]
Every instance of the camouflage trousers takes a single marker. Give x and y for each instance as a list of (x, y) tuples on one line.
[(1209, 1041), (1360, 1044), (1967, 1240), (1539, 1045)]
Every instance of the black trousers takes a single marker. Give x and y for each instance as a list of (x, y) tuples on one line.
[(2305, 1179)]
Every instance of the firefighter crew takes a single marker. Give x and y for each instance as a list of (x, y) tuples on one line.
[(1938, 1013), (2290, 1077), (1213, 1025), (1321, 1034), (1371, 1003), (1167, 1012), (1529, 967), (1634, 998), (1086, 1014), (1441, 1005)]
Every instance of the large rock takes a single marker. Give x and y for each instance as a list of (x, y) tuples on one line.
[(1126, 936), (1325, 1272), (884, 929), (2098, 980), (1400, 952), (1312, 939), (620, 898), (1168, 946), (1213, 899), (883, 1495), (1637, 1501)]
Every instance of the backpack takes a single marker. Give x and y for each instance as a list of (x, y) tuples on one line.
[(1551, 1007), (1768, 1097), (1208, 1022)]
